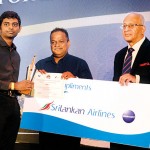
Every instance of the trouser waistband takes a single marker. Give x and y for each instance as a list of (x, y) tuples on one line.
[(8, 93)]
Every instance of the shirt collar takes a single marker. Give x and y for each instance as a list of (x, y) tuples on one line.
[(52, 57), (137, 46), (3, 43)]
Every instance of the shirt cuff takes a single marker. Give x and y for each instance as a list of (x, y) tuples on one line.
[(137, 78)]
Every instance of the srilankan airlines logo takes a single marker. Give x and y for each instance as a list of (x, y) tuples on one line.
[(46, 106), (77, 110)]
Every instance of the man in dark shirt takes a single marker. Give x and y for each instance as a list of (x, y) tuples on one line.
[(71, 67), (10, 26)]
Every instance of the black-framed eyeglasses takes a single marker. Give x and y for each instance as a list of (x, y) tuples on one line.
[(130, 26)]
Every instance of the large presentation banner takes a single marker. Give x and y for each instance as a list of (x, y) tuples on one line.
[(95, 109)]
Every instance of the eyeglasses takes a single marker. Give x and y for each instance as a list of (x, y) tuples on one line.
[(130, 26)]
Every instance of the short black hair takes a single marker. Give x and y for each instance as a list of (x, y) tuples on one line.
[(62, 30), (10, 14)]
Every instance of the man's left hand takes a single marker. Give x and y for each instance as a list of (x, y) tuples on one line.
[(67, 75), (126, 78)]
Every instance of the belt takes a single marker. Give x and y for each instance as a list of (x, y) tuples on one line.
[(8, 93)]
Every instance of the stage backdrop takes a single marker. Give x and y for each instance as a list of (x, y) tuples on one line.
[(93, 26)]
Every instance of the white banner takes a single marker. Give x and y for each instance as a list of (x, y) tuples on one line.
[(101, 110)]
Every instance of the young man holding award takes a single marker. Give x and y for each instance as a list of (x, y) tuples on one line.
[(10, 88)]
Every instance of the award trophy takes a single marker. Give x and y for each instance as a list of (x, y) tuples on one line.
[(31, 69)]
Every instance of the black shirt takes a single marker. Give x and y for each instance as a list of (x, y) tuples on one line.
[(9, 64)]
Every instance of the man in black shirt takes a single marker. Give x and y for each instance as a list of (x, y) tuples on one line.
[(71, 67), (10, 26)]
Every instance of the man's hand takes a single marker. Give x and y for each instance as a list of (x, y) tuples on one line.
[(42, 71), (126, 78), (24, 87), (25, 92), (67, 75)]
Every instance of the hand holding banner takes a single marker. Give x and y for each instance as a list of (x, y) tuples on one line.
[(86, 110)]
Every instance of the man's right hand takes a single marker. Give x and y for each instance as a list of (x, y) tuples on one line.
[(24, 87), (25, 92)]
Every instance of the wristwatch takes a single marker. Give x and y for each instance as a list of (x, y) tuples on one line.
[(12, 85)]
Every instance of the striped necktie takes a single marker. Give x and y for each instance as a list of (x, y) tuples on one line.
[(127, 62)]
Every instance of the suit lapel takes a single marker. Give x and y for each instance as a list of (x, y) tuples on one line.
[(140, 55)]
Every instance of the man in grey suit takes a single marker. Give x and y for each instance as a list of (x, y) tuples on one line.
[(133, 31)]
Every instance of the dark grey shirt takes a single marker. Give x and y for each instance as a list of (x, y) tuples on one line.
[(9, 64)]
